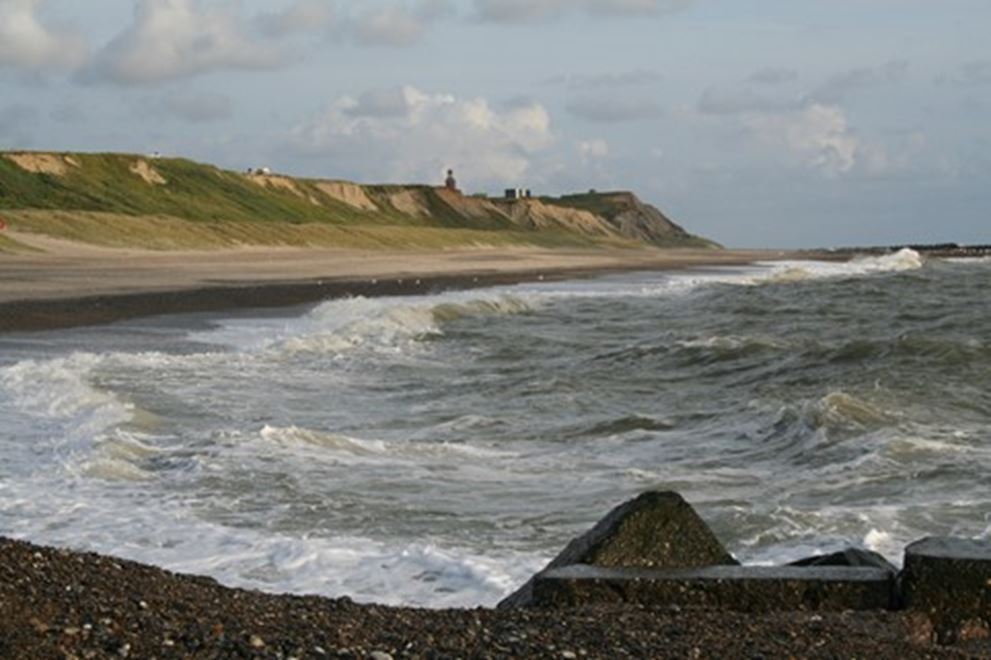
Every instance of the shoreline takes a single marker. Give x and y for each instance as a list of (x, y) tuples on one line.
[(63, 603), (97, 286)]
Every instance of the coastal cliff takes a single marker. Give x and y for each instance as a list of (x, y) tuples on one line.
[(165, 203)]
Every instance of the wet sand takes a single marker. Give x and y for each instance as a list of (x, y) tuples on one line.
[(71, 284)]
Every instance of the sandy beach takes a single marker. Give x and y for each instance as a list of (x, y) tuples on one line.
[(69, 284)]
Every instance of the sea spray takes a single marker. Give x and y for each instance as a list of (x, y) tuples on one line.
[(436, 450)]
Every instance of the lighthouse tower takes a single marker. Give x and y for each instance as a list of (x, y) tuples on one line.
[(450, 182)]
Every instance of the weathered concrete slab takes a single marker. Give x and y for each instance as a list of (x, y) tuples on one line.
[(655, 530), (736, 588), (949, 580)]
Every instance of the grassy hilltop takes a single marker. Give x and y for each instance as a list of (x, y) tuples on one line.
[(122, 200)]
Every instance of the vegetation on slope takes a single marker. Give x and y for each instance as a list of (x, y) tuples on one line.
[(173, 203)]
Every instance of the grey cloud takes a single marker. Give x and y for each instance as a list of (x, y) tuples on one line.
[(395, 24), (614, 109), (773, 76), (432, 10), (862, 78), (519, 11), (977, 72), (607, 80), (171, 39), (629, 7), (302, 16), (388, 26), (27, 44), (716, 101), (529, 11)]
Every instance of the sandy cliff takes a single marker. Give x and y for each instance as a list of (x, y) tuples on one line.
[(49, 192)]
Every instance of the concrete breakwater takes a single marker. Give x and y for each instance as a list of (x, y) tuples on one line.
[(655, 550), (939, 250)]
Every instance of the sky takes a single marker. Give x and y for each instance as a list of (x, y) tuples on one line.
[(757, 123)]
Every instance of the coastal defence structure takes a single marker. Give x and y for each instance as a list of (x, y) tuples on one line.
[(655, 550)]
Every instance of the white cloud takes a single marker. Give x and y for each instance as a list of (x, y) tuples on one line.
[(25, 43), (172, 39), (818, 134), (594, 149), (410, 135)]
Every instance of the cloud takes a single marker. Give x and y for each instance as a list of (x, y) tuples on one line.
[(818, 134), (715, 101), (841, 84), (607, 80), (408, 134), (614, 108), (302, 16), (773, 76), (173, 39), (976, 72), (589, 150), (27, 44), (530, 11), (380, 103), (392, 24), (388, 26)]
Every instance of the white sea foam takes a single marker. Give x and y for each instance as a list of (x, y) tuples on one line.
[(342, 445), (384, 325)]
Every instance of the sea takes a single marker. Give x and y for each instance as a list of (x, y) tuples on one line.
[(437, 450)]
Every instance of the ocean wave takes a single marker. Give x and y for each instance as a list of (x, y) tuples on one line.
[(941, 349), (342, 445), (798, 271), (719, 348), (630, 423), (390, 324), (61, 391), (839, 410), (412, 574)]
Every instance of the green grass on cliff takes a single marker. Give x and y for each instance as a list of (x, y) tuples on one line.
[(100, 199), (104, 183)]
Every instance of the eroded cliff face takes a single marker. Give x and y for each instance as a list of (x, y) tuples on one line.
[(619, 215), (131, 185)]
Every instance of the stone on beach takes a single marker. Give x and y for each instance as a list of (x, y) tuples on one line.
[(654, 530)]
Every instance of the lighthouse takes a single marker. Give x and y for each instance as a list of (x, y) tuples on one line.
[(450, 182)]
